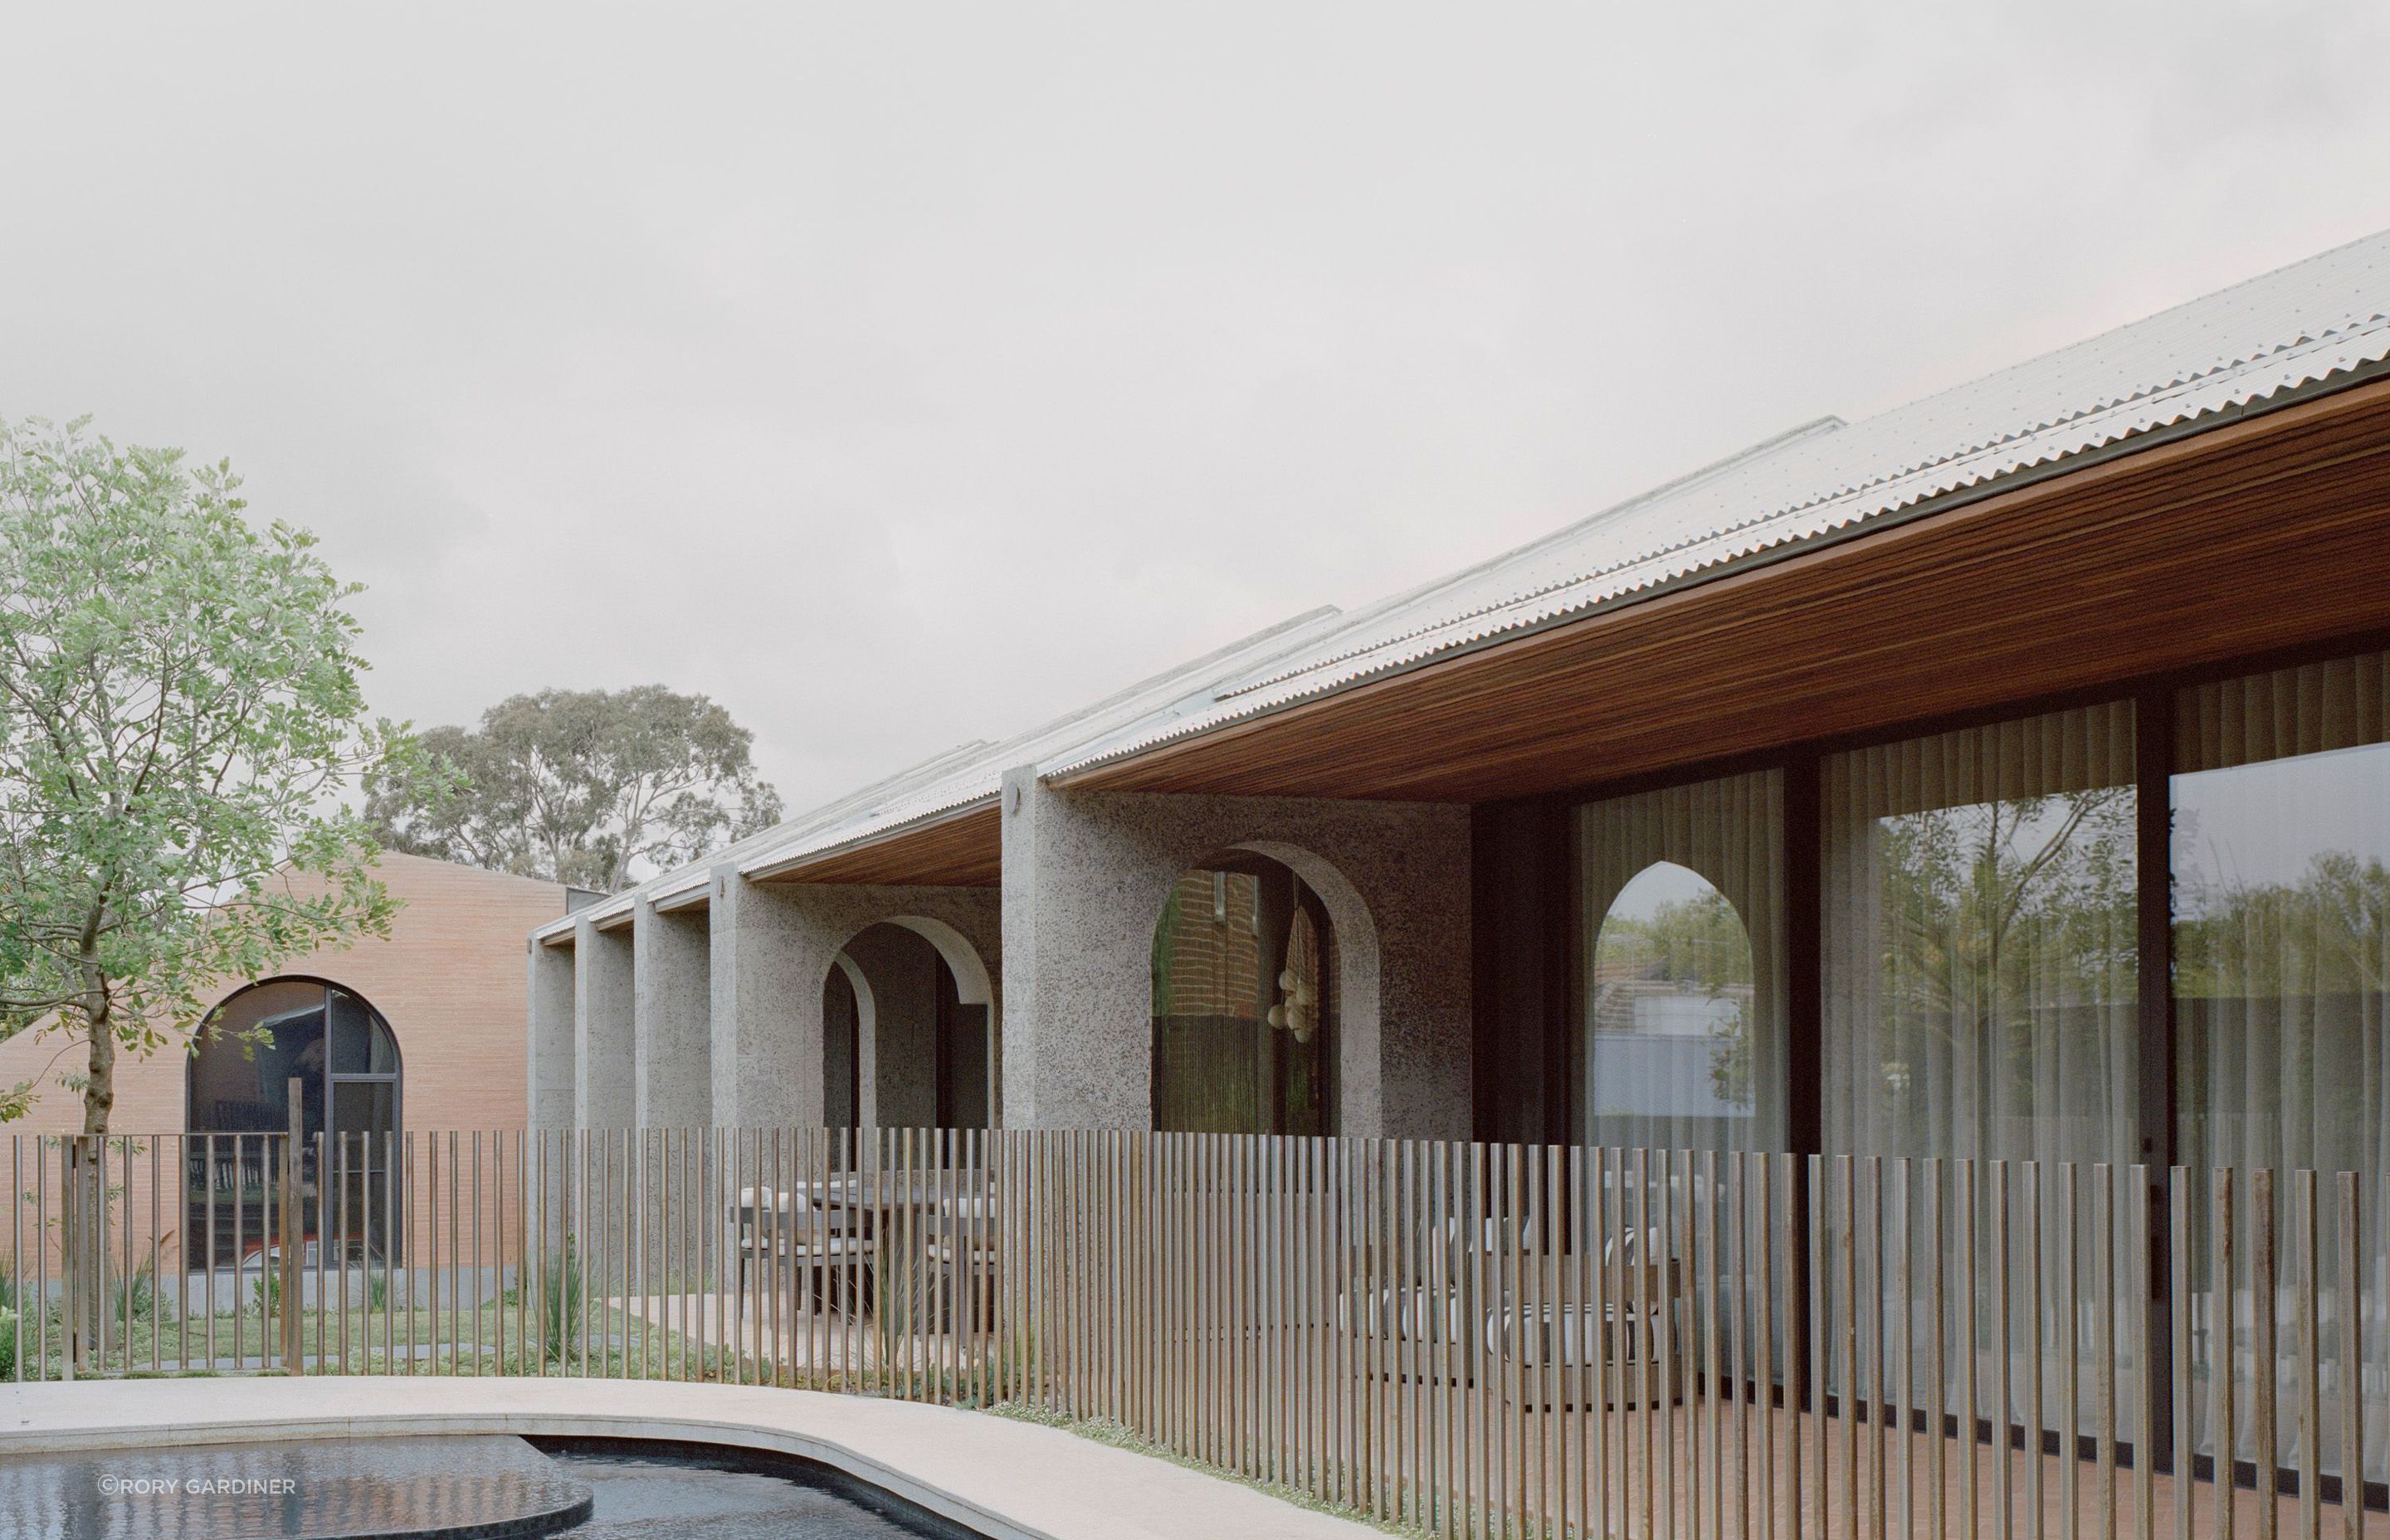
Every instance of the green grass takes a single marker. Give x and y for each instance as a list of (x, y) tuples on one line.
[(489, 1339)]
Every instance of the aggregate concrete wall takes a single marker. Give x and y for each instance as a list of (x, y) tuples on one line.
[(773, 947), (672, 1019), (1086, 875), (603, 1045), (552, 1072)]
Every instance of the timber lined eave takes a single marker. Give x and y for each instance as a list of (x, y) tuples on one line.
[(2267, 533), (961, 850)]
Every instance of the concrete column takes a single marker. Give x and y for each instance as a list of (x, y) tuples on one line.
[(603, 1057), (898, 1046), (672, 1025), (555, 1074), (1077, 988), (772, 952), (552, 1070), (1086, 875)]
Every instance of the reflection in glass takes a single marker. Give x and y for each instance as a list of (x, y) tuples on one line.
[(1981, 943), (1981, 992), (361, 1043), (1672, 1008), (1683, 1038), (2282, 939)]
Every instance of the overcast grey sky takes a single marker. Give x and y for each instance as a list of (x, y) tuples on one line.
[(904, 375)]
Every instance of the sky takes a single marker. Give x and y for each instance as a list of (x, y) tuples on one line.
[(901, 375)]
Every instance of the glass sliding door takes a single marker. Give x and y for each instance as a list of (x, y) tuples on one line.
[(1244, 1002), (1682, 1025), (1681, 1010), (1980, 944), (2280, 844), (1981, 997)]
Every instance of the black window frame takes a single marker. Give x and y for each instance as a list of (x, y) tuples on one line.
[(1529, 961)]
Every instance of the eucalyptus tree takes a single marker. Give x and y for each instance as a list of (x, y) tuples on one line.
[(591, 788)]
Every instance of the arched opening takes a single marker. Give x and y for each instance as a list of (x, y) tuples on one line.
[(844, 997), (1244, 1001), (907, 1028), (1669, 1056), (345, 1059)]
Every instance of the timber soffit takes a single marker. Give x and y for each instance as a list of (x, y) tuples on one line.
[(2259, 344)]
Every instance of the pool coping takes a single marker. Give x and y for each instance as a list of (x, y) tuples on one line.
[(1007, 1479)]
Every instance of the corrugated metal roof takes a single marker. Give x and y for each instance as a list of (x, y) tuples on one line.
[(2300, 328)]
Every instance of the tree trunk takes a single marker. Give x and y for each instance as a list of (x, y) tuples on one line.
[(99, 1087), (87, 1230)]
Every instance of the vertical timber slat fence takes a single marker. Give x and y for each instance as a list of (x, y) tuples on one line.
[(1454, 1339)]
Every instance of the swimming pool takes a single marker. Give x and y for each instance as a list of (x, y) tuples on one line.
[(449, 1487), (648, 1490)]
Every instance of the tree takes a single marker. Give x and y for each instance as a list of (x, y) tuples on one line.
[(2010, 958), (1698, 946), (580, 786), (179, 712)]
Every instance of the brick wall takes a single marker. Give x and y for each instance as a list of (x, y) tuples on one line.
[(450, 980)]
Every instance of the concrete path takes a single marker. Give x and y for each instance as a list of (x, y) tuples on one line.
[(1011, 1481)]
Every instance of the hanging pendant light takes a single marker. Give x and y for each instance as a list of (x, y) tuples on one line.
[(1297, 1011)]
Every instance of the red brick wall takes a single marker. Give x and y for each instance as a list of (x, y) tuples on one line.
[(451, 982)]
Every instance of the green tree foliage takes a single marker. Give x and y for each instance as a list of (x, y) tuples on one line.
[(1696, 945), (2327, 933), (1998, 909), (2010, 944), (593, 788), (179, 714)]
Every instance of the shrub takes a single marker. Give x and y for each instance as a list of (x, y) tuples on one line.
[(560, 1300), (137, 1294)]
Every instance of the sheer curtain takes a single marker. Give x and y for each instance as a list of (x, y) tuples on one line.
[(2281, 930), (1981, 1001), (2282, 833), (1980, 994), (1682, 1029)]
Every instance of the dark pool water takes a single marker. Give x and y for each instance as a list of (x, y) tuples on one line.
[(448, 1487), (649, 1491), (459, 1487)]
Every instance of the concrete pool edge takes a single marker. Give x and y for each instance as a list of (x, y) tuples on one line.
[(1008, 1480)]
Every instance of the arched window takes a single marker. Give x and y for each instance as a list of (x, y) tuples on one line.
[(1244, 1011), (345, 1058), (1669, 1049), (1683, 1024)]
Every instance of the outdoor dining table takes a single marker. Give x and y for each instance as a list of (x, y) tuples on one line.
[(841, 1229)]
